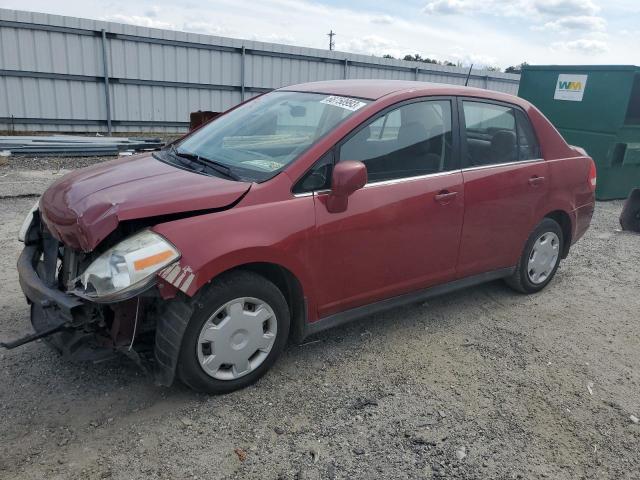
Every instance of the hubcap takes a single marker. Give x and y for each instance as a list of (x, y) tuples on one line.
[(237, 338), (543, 257)]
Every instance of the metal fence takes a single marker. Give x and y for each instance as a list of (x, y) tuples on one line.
[(77, 75)]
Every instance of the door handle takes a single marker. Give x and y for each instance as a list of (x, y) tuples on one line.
[(535, 180), (445, 196)]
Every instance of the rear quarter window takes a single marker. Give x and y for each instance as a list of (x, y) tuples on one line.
[(497, 133), (528, 147)]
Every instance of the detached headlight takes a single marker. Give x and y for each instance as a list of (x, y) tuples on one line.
[(128, 268), (22, 234)]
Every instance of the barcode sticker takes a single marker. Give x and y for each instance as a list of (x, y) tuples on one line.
[(350, 104)]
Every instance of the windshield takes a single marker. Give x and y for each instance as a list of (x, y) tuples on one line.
[(258, 139)]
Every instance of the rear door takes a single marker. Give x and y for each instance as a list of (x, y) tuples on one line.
[(505, 181), (401, 231)]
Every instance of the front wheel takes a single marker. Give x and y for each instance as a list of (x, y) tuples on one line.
[(540, 258), (237, 331)]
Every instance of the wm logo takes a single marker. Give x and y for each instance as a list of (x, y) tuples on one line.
[(572, 86)]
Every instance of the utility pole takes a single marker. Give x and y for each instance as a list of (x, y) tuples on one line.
[(332, 44)]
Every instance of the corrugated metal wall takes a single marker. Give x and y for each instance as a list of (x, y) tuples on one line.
[(60, 73)]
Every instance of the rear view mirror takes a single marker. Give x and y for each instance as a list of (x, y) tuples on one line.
[(297, 111), (348, 176)]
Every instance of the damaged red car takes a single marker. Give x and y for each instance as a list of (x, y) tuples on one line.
[(297, 211)]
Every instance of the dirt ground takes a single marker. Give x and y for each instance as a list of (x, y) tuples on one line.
[(483, 383)]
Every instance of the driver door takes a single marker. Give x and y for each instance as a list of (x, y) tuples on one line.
[(401, 232)]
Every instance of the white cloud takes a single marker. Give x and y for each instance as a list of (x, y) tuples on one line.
[(562, 16), (153, 12), (532, 9), (497, 8), (467, 58), (447, 7), (565, 7), (272, 38), (139, 20), (382, 19), (633, 34), (583, 23), (207, 28), (483, 31), (372, 45), (583, 45)]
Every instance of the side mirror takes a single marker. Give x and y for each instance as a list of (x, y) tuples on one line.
[(348, 176)]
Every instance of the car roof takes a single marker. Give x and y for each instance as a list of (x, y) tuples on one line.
[(375, 89)]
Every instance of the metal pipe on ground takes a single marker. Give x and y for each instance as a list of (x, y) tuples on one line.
[(71, 145)]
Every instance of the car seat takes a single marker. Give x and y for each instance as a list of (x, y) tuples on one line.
[(503, 147)]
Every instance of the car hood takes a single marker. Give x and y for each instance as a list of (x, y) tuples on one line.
[(85, 206)]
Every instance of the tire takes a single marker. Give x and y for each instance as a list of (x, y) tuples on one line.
[(630, 216), (546, 238), (242, 299)]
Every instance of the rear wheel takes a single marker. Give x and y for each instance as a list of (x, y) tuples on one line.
[(540, 258), (235, 336)]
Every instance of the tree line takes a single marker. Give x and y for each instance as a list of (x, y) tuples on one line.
[(418, 58)]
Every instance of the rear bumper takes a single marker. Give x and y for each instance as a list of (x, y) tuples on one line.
[(582, 219)]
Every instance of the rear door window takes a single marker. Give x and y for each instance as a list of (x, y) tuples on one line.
[(412, 140), (490, 133), (495, 134)]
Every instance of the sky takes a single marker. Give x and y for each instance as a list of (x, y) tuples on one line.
[(495, 33)]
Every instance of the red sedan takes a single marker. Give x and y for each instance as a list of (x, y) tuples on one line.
[(299, 210)]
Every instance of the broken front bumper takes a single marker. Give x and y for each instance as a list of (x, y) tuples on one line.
[(60, 305), (82, 330), (65, 320)]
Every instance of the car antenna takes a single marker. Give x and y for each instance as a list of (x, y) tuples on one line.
[(466, 82)]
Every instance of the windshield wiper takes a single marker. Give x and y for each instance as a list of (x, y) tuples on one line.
[(206, 163)]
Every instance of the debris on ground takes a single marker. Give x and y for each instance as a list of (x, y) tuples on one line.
[(461, 452), (76, 145), (365, 402), (314, 455), (242, 455), (426, 437)]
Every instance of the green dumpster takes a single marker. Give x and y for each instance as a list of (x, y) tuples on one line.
[(596, 108)]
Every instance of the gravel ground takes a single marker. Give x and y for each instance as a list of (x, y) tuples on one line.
[(21, 163), (483, 383)]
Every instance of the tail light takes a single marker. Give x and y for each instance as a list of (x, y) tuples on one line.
[(592, 175)]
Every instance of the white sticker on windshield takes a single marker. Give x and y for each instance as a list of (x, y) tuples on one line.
[(350, 104), (267, 165)]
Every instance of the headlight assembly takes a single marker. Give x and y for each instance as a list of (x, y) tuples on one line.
[(127, 269)]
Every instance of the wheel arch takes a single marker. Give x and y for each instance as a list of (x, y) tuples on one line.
[(564, 220), (173, 321), (288, 284)]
